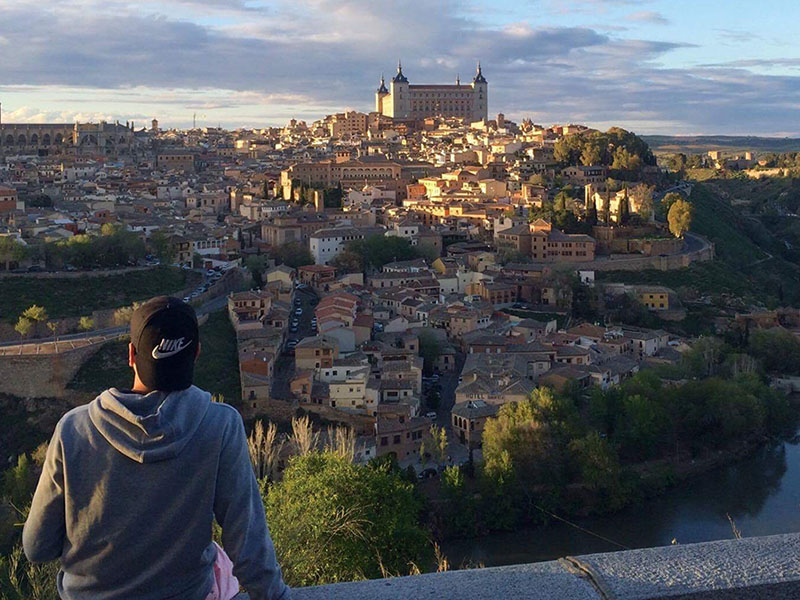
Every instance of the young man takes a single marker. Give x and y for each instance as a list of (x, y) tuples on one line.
[(132, 482)]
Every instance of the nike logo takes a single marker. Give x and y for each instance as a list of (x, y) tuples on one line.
[(167, 348)]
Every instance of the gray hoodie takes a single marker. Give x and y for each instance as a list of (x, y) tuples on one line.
[(130, 486)]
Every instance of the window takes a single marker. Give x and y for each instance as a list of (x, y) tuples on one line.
[(384, 441), (396, 439)]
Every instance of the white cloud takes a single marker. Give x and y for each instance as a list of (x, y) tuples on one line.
[(257, 62)]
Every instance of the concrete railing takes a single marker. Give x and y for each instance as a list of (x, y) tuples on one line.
[(752, 568)]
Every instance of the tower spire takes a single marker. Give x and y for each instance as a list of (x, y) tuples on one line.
[(479, 78), (399, 78)]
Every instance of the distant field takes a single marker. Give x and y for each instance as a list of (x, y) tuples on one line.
[(77, 296), (704, 143), (217, 368)]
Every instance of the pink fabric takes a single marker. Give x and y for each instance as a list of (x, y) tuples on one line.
[(226, 586)]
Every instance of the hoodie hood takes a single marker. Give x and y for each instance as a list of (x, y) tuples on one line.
[(149, 427)]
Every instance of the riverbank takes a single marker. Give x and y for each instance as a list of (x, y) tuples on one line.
[(529, 506), (758, 490)]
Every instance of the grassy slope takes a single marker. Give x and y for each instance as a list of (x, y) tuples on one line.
[(217, 368), (72, 297), (743, 266)]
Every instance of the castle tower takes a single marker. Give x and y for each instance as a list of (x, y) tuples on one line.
[(481, 100), (380, 94), (154, 125), (401, 102)]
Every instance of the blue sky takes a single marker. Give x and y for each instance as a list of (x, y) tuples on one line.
[(651, 66)]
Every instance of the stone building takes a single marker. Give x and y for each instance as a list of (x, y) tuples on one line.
[(417, 102), (105, 139)]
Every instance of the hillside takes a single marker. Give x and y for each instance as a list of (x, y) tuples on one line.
[(703, 143), (753, 266)]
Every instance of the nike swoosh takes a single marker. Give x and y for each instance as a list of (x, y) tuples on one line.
[(158, 354)]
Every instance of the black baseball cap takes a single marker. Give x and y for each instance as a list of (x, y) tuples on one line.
[(165, 335)]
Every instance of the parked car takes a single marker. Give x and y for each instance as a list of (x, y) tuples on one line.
[(298, 311), (428, 473), (431, 415)]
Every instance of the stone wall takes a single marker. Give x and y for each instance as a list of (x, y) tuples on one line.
[(43, 376), (750, 568)]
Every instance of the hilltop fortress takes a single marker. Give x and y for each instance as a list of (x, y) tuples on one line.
[(405, 101)]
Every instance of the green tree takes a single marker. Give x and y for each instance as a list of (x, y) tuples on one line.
[(598, 467), (435, 444), (459, 513), (429, 349), (778, 350), (23, 326), (86, 323), (122, 316), (679, 217), (161, 246), (35, 313), (668, 200), (257, 265), (293, 254), (378, 250), (11, 251), (526, 438), (348, 261), (642, 197), (623, 211), (335, 521)]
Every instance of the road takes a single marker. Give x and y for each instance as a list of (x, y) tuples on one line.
[(73, 340), (283, 372)]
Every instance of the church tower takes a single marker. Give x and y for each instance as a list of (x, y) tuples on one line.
[(401, 101), (481, 99), (380, 95)]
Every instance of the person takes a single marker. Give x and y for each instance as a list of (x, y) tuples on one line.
[(133, 480)]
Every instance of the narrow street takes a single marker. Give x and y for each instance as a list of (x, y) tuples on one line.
[(284, 365)]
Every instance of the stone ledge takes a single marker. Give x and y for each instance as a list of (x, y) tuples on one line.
[(751, 568)]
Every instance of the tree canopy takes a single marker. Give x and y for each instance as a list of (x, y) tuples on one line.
[(292, 254), (378, 250), (620, 150), (679, 217), (335, 521), (11, 251)]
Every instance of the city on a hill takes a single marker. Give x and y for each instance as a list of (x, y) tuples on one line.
[(438, 323)]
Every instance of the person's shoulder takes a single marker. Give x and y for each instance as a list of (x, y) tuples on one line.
[(224, 413), (73, 424), (75, 417)]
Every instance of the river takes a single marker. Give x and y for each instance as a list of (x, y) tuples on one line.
[(761, 493)]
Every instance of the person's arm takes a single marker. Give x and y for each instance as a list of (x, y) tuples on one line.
[(45, 529), (239, 510)]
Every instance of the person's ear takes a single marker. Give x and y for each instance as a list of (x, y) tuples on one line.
[(131, 355), (196, 354)]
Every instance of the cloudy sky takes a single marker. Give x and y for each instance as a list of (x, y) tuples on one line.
[(657, 66)]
